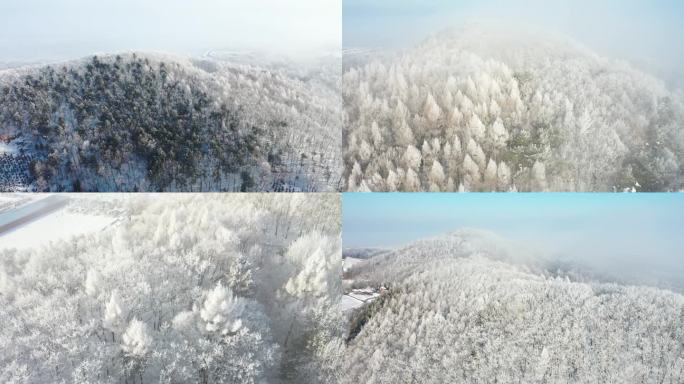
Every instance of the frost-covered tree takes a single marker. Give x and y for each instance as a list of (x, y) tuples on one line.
[(471, 307), (228, 288), (155, 123), (114, 315), (136, 341), (222, 311), (318, 265), (240, 276), (498, 93), (93, 283)]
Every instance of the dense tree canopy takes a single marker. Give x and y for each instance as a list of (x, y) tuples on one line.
[(461, 310), (488, 109), (232, 288), (129, 123)]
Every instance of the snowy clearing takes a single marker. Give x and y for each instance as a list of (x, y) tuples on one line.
[(349, 262), (61, 224), (349, 303)]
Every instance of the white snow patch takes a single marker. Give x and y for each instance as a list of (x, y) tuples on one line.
[(364, 295), (10, 201), (8, 148), (349, 303), (350, 261), (59, 225), (9, 198), (357, 298)]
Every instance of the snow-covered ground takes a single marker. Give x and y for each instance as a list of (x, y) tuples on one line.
[(355, 298), (349, 303), (358, 298), (350, 262), (61, 224), (8, 148), (10, 201)]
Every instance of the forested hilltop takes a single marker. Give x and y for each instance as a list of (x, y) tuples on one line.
[(155, 123), (467, 307), (485, 108)]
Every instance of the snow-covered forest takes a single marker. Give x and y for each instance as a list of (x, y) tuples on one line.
[(488, 108), (152, 122), (469, 307), (231, 288)]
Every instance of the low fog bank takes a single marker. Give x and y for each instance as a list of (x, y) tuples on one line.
[(623, 238), (635, 259), (628, 257), (646, 34)]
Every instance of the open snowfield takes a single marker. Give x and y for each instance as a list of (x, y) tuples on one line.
[(354, 298), (62, 224), (9, 201), (350, 303), (349, 262)]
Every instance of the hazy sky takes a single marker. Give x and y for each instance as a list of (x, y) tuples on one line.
[(637, 233), (646, 32), (59, 29)]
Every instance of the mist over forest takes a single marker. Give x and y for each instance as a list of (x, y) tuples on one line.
[(543, 288), (643, 33), (460, 98), (625, 238)]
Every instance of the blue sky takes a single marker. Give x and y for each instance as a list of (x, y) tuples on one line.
[(64, 29), (646, 32), (643, 232), (399, 218)]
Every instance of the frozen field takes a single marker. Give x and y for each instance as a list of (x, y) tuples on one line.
[(38, 222)]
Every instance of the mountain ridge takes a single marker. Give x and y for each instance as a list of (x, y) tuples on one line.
[(470, 317), (289, 122)]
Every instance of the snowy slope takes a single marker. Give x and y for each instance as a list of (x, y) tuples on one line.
[(171, 123), (464, 312), (362, 253)]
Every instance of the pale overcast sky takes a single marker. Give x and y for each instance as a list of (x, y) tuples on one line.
[(64, 29)]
